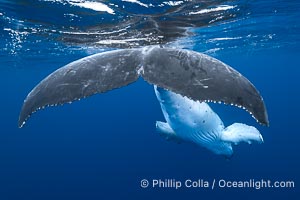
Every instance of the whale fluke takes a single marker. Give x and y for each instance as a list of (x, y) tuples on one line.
[(192, 74)]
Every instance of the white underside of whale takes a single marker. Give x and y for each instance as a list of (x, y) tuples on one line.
[(188, 120)]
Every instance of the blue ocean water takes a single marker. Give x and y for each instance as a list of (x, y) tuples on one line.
[(103, 146)]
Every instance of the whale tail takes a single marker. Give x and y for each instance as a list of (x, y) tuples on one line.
[(189, 73), (238, 132)]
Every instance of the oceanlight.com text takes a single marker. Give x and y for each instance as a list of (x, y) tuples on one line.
[(256, 184)]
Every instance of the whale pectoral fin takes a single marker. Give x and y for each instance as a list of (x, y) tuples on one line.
[(167, 132), (238, 132)]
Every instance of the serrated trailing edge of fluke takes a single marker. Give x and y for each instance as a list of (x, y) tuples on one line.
[(23, 121), (239, 106)]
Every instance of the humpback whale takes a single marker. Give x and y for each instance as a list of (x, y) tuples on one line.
[(191, 74), (194, 121)]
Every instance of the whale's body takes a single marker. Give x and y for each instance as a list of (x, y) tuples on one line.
[(188, 120)]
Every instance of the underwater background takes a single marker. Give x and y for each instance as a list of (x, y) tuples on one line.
[(103, 146)]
